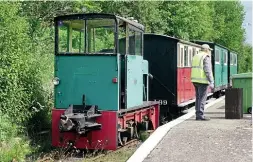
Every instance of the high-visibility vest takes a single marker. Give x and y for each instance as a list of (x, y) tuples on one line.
[(197, 70)]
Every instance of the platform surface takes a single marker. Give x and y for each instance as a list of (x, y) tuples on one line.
[(217, 140)]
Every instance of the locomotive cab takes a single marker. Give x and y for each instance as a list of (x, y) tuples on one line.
[(99, 71), (94, 61)]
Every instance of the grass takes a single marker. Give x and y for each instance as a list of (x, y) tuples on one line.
[(117, 156), (36, 147), (64, 155), (75, 155), (41, 151), (13, 145)]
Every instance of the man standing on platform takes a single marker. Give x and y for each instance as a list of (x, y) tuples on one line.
[(202, 77)]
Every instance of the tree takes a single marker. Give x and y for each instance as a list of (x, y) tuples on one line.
[(228, 18), (245, 59), (147, 13), (188, 20)]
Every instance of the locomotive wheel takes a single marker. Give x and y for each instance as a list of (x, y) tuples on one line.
[(136, 134), (119, 138), (123, 136)]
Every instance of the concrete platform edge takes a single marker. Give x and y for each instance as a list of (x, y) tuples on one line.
[(144, 150)]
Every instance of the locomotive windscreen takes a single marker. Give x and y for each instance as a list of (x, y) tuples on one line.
[(86, 36)]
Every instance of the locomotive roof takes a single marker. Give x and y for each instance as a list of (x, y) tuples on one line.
[(98, 15), (177, 39)]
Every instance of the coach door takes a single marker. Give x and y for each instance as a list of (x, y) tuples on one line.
[(218, 67), (225, 68), (180, 74), (188, 83)]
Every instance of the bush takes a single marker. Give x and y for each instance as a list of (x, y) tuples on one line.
[(26, 67), (12, 145)]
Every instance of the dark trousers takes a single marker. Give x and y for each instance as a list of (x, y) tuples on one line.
[(201, 95)]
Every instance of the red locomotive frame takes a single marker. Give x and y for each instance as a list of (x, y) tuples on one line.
[(107, 137)]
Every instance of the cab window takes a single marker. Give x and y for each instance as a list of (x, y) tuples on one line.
[(138, 43), (86, 36), (135, 42)]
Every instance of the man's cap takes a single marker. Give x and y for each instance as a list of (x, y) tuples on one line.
[(206, 46)]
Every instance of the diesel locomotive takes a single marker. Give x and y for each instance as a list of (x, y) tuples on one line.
[(112, 80), (101, 82)]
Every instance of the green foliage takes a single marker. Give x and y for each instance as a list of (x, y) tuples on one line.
[(26, 64), (21, 68), (245, 59), (12, 145), (147, 13), (13, 98), (188, 20), (27, 48), (228, 17)]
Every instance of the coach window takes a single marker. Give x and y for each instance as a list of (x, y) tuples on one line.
[(217, 56), (182, 57), (235, 60), (190, 59), (186, 57), (225, 57), (231, 58), (178, 55), (193, 52)]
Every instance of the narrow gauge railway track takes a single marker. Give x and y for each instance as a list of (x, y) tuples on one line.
[(77, 158), (127, 145), (132, 143)]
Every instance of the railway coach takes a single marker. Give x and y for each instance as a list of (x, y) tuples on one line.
[(100, 82), (224, 63), (170, 65)]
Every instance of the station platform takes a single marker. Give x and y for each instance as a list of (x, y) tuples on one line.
[(217, 140)]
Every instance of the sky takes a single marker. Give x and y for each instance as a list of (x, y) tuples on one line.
[(247, 24)]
